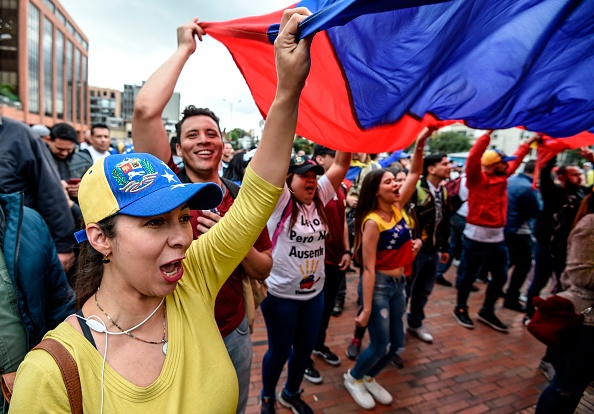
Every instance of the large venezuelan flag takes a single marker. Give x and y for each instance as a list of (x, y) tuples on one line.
[(381, 70)]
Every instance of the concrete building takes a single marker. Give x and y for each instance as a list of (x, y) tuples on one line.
[(44, 64), (105, 103), (171, 113), (507, 140), (105, 108), (128, 98)]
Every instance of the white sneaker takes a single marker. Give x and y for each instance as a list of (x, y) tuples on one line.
[(358, 391), (377, 391), (422, 334), (547, 369)]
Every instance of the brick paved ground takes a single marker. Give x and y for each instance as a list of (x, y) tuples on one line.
[(463, 371)]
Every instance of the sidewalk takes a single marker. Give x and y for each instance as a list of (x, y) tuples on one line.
[(463, 371)]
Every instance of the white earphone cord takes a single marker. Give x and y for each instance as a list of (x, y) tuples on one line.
[(100, 327)]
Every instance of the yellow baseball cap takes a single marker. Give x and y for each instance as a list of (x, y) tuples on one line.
[(493, 156)]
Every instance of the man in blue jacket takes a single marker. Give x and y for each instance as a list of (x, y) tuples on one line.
[(523, 208), (34, 292)]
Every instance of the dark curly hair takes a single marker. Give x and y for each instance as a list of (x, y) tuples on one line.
[(191, 111)]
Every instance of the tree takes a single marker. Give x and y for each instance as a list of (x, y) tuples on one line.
[(449, 142), (303, 144)]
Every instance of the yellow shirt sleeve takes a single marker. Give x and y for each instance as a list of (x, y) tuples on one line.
[(213, 257), (47, 381)]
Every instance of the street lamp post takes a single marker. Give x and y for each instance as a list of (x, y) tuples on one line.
[(231, 103)]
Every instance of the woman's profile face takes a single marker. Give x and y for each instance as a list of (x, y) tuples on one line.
[(304, 186), (389, 187), (148, 251)]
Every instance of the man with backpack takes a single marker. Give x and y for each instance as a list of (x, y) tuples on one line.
[(458, 210), (432, 215), (201, 147)]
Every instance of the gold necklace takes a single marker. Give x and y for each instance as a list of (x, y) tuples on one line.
[(162, 341)]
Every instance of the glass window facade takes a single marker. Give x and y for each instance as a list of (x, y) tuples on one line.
[(78, 83), (33, 44), (84, 84), (48, 67), (49, 5), (60, 74), (69, 80), (9, 23), (60, 17)]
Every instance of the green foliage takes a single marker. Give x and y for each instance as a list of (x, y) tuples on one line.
[(8, 91), (235, 134), (449, 142), (303, 144)]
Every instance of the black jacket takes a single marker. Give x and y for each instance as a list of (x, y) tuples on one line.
[(560, 205), (435, 236), (26, 166)]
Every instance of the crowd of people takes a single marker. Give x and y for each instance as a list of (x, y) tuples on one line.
[(150, 299)]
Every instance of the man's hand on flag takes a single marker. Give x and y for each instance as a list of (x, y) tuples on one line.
[(186, 39)]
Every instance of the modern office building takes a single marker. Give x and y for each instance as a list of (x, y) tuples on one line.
[(105, 108), (171, 112), (105, 103), (43, 64), (128, 98)]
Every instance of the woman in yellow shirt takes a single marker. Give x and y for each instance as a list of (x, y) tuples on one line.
[(153, 344)]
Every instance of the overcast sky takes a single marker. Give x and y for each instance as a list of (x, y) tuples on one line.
[(128, 41)]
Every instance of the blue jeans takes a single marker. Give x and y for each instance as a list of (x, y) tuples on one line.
[(386, 333), (239, 347), (574, 369), (422, 285), (519, 247), (457, 223), (476, 258), (293, 327), (544, 267)]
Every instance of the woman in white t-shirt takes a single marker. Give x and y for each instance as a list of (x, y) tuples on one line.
[(294, 305)]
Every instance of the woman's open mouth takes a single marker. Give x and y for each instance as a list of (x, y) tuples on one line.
[(172, 272)]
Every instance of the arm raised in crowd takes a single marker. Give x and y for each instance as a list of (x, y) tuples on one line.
[(416, 166), (474, 172), (521, 152), (148, 131), (339, 168), (292, 68)]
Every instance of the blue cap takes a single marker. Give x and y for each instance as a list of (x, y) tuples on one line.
[(139, 185)]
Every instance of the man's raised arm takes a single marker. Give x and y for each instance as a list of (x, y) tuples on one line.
[(148, 131)]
